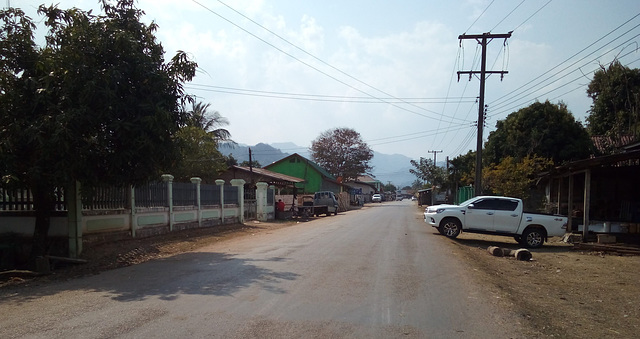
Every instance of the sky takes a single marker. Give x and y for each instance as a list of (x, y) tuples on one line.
[(287, 71)]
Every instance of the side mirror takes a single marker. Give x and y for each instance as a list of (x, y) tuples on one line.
[(471, 206)]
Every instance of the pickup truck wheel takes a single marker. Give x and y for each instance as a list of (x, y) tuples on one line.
[(517, 238), (450, 228), (532, 238)]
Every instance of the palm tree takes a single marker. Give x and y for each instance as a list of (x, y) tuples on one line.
[(209, 122)]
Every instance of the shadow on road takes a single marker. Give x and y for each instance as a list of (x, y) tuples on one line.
[(194, 273)]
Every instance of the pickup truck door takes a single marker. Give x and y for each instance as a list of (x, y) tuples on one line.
[(480, 214), (507, 216)]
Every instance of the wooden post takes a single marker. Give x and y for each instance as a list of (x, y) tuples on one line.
[(570, 205), (587, 203)]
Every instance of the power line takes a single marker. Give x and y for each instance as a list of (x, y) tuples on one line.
[(479, 16), (529, 89), (532, 15), (319, 97), (318, 59), (522, 88), (503, 19)]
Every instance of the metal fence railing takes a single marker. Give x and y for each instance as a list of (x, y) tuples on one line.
[(150, 195), (209, 194), (184, 194), (104, 198)]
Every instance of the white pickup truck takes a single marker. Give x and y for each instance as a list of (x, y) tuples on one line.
[(498, 216)]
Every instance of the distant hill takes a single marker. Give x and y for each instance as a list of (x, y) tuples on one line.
[(387, 168), (262, 153)]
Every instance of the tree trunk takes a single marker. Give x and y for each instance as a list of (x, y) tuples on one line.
[(42, 204)]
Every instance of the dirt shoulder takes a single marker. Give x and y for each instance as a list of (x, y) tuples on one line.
[(561, 292)]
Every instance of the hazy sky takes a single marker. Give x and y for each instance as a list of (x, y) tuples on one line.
[(284, 71)]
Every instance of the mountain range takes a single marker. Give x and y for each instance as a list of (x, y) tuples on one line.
[(388, 168)]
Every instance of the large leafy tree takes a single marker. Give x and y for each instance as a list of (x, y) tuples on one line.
[(615, 91), (543, 129), (514, 178), (342, 152), (462, 169), (98, 104)]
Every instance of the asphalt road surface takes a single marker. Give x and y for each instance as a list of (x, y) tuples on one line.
[(378, 272)]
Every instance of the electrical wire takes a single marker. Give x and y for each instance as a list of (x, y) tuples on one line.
[(502, 104), (532, 15), (503, 19), (318, 97), (479, 16), (321, 61), (521, 89)]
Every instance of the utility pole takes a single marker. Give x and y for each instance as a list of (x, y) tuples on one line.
[(483, 40), (434, 156)]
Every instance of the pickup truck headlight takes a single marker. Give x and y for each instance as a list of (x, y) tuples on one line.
[(440, 210)]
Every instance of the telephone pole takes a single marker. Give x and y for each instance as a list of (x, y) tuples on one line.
[(434, 156), (483, 40)]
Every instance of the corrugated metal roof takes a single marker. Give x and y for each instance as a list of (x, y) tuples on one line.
[(269, 174)]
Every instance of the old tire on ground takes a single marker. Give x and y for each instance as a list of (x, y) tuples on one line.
[(533, 237), (450, 227)]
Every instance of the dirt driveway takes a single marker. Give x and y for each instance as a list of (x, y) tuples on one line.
[(561, 292)]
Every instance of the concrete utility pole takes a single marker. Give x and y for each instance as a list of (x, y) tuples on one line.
[(483, 39), (434, 156)]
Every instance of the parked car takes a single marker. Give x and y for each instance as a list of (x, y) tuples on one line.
[(325, 202), (376, 198), (399, 198), (497, 216)]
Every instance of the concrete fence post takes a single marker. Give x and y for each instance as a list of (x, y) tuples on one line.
[(74, 219), (261, 201), (240, 184), (132, 202), (197, 181), (168, 178), (220, 184)]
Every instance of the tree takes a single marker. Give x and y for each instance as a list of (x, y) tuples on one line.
[(199, 139), (254, 164), (462, 170), (96, 105), (543, 129), (390, 187), (427, 171), (342, 152), (615, 92), (230, 160), (514, 178), (209, 122)]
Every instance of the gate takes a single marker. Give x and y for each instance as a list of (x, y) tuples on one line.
[(250, 204)]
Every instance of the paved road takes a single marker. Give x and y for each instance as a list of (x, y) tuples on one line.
[(374, 273)]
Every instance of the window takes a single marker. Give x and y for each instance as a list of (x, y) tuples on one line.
[(485, 204), (506, 205)]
